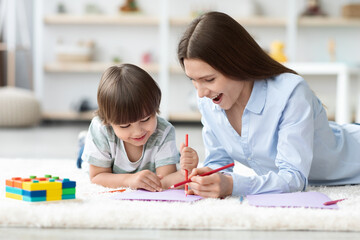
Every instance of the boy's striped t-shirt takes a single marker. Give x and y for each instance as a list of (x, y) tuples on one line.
[(104, 149)]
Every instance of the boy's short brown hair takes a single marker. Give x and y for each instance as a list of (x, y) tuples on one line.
[(126, 94)]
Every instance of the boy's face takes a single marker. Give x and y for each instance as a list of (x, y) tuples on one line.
[(136, 133)]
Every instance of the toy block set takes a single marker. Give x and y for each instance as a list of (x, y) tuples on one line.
[(39, 189)]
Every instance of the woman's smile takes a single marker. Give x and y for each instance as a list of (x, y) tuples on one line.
[(217, 99)]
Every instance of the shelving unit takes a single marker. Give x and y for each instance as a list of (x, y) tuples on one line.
[(328, 22), (48, 70), (165, 69), (68, 116), (259, 21), (256, 21), (89, 67), (135, 19)]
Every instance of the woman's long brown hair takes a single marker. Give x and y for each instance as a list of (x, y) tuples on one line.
[(224, 44)]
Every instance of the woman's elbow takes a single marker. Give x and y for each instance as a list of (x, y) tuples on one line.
[(298, 183)]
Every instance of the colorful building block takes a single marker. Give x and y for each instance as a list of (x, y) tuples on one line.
[(37, 189)]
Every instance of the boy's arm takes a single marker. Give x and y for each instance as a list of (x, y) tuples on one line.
[(169, 176), (141, 180), (188, 160)]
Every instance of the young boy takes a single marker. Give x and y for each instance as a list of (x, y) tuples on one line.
[(127, 144)]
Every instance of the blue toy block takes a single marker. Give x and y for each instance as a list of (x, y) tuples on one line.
[(14, 190), (68, 196), (34, 199), (40, 193), (66, 183)]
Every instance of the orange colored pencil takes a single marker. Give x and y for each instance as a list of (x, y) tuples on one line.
[(118, 190)]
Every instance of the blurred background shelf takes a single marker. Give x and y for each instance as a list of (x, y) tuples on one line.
[(68, 116), (255, 21), (89, 67), (328, 22), (131, 19), (185, 116)]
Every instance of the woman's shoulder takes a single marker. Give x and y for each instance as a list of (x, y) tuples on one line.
[(287, 79), (287, 83)]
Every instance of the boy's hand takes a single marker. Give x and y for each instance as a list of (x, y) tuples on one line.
[(189, 158), (145, 180)]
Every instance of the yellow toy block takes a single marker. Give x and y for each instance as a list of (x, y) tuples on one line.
[(53, 195), (42, 185), (14, 196), (56, 198)]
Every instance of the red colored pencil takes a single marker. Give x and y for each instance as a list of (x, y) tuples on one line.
[(118, 190), (333, 202), (186, 171), (204, 174)]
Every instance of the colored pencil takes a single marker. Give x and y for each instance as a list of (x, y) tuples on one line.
[(204, 174), (333, 202), (186, 171), (118, 190)]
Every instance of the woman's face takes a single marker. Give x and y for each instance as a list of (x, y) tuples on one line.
[(212, 84)]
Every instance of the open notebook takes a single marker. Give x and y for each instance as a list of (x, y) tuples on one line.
[(172, 195)]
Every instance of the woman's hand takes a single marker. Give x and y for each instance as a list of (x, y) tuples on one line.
[(145, 180), (189, 158), (216, 185)]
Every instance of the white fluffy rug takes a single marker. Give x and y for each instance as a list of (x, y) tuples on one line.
[(93, 209)]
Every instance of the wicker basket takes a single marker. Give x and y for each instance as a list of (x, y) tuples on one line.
[(18, 108)]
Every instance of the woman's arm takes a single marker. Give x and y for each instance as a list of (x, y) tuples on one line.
[(293, 151)]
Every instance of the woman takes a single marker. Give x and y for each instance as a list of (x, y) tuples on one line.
[(261, 114)]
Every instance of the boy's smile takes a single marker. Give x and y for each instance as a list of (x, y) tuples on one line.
[(139, 139)]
